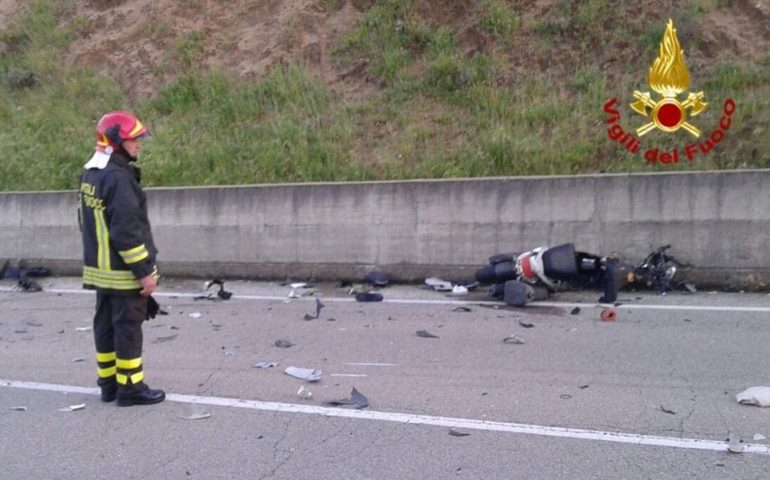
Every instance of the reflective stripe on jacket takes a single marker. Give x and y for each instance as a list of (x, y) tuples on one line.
[(118, 248)]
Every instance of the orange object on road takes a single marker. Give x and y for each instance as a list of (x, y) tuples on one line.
[(609, 315)]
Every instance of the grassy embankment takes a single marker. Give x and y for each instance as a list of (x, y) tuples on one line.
[(438, 113)]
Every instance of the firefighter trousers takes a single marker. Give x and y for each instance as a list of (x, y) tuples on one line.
[(118, 337)]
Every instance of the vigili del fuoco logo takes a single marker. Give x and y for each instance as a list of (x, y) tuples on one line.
[(669, 78)]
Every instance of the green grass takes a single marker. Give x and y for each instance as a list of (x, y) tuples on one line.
[(438, 111)]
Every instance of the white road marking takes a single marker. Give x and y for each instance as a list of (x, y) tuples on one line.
[(395, 417), (532, 308), (348, 375)]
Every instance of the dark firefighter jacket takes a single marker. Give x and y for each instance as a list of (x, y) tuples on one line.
[(118, 248)]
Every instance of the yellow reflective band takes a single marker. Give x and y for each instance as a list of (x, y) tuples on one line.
[(106, 372), (136, 254), (137, 377), (102, 240), (122, 379), (129, 364), (105, 357), (137, 128), (115, 279)]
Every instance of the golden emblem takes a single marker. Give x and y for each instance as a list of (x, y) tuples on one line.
[(669, 77)]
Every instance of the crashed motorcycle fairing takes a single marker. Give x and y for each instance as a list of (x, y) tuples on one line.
[(537, 272)]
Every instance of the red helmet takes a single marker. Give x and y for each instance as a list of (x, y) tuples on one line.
[(115, 127)]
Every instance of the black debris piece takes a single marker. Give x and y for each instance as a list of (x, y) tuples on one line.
[(169, 338), (526, 324), (357, 400), (425, 334), (283, 344), (582, 387), (456, 433), (575, 311), (667, 410), (28, 285), (514, 340), (222, 293), (565, 396), (368, 297), (462, 309)]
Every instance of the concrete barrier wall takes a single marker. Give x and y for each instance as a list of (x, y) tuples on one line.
[(718, 221)]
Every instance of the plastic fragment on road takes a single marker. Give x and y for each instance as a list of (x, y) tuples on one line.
[(83, 329), (514, 340), (283, 344), (304, 393), (759, 396), (575, 311), (462, 309), (318, 307), (78, 360), (759, 437), (73, 408), (196, 416), (667, 410), (306, 374), (438, 284), (357, 400), (426, 334), (609, 315), (19, 409), (459, 290), (196, 315), (526, 324), (456, 433), (266, 365)]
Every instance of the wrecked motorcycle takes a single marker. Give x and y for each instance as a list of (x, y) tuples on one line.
[(533, 275), (659, 271)]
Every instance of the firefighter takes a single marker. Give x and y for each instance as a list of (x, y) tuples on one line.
[(119, 258)]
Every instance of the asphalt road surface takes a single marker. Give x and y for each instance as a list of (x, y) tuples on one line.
[(648, 396)]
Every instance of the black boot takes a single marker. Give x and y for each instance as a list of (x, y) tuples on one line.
[(109, 389), (139, 394)]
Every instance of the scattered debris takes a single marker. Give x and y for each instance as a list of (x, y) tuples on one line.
[(318, 306), (78, 360), (514, 340), (462, 309), (196, 315), (456, 433), (368, 297), (304, 393), (196, 416), (526, 324), (459, 290), (19, 409), (565, 396), (667, 410), (222, 293), (575, 311), (357, 400), (438, 284), (169, 338), (300, 289), (83, 329), (266, 365), (30, 323), (759, 437), (425, 334), (609, 315), (283, 344), (26, 284), (583, 387), (73, 408), (306, 374), (759, 396), (735, 445)]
